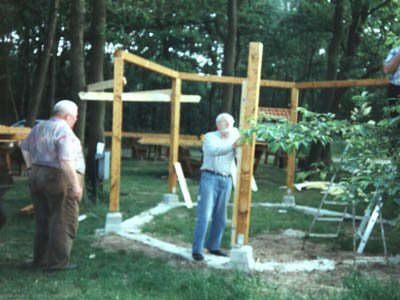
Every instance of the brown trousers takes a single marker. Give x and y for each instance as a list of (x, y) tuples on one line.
[(56, 216)]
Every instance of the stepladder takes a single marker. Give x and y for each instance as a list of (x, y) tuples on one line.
[(336, 216), (371, 216)]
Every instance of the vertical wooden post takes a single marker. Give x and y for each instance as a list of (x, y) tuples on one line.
[(243, 185), (174, 132), (116, 132), (291, 166), (239, 160)]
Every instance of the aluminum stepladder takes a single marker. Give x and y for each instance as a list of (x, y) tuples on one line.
[(319, 217), (371, 215)]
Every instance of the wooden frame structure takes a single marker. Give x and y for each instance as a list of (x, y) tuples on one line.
[(250, 97)]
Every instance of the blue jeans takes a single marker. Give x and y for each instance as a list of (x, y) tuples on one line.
[(213, 198)]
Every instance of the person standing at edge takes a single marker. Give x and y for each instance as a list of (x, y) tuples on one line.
[(392, 66), (53, 155), (215, 186)]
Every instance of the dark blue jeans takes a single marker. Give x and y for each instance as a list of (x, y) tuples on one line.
[(213, 198)]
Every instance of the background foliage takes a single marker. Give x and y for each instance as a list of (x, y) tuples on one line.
[(190, 36)]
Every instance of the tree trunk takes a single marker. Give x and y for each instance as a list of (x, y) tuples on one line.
[(52, 83), (230, 55), (78, 63), (317, 151), (40, 76), (96, 109)]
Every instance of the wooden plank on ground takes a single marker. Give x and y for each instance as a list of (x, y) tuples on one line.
[(183, 185)]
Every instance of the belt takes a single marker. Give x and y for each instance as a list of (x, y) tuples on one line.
[(216, 173)]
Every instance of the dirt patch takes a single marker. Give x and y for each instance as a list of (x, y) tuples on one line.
[(284, 248), (274, 247)]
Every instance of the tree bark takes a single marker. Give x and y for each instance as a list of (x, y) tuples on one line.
[(96, 110), (230, 55), (78, 63), (40, 77), (317, 151), (52, 83)]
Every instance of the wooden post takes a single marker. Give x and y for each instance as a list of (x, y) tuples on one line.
[(239, 160), (243, 185), (116, 132), (174, 136), (291, 165)]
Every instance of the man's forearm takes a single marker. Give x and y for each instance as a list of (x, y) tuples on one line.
[(392, 66), (68, 167), (27, 158)]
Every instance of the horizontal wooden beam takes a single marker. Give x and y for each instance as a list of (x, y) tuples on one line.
[(161, 138), (166, 141), (211, 78), (277, 84), (146, 64), (146, 96), (341, 83), (102, 85), (12, 134)]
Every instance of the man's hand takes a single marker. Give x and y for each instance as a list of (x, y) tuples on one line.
[(76, 192), (68, 168)]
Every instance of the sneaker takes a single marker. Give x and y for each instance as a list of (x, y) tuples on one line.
[(197, 256), (218, 253)]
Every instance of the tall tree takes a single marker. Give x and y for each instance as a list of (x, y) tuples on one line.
[(78, 62), (40, 76), (96, 73), (230, 54)]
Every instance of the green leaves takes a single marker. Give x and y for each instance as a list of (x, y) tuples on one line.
[(279, 134), (372, 161)]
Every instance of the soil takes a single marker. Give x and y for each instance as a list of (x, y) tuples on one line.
[(284, 247)]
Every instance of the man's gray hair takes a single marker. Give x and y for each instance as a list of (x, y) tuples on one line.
[(65, 106), (224, 116)]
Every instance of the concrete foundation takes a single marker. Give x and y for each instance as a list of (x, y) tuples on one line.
[(242, 258), (113, 222), (170, 198)]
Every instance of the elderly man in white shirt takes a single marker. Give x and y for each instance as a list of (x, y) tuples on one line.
[(215, 186)]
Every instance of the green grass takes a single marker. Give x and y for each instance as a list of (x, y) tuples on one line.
[(133, 275)]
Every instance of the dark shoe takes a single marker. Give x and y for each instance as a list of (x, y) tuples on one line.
[(29, 264), (218, 253), (198, 256), (64, 268)]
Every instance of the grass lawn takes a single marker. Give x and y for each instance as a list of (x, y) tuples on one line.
[(135, 275)]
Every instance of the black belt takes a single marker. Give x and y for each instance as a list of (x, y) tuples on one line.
[(216, 173)]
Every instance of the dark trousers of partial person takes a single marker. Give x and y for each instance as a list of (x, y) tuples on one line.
[(393, 91), (56, 216)]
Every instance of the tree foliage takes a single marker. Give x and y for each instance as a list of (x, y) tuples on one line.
[(370, 161)]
